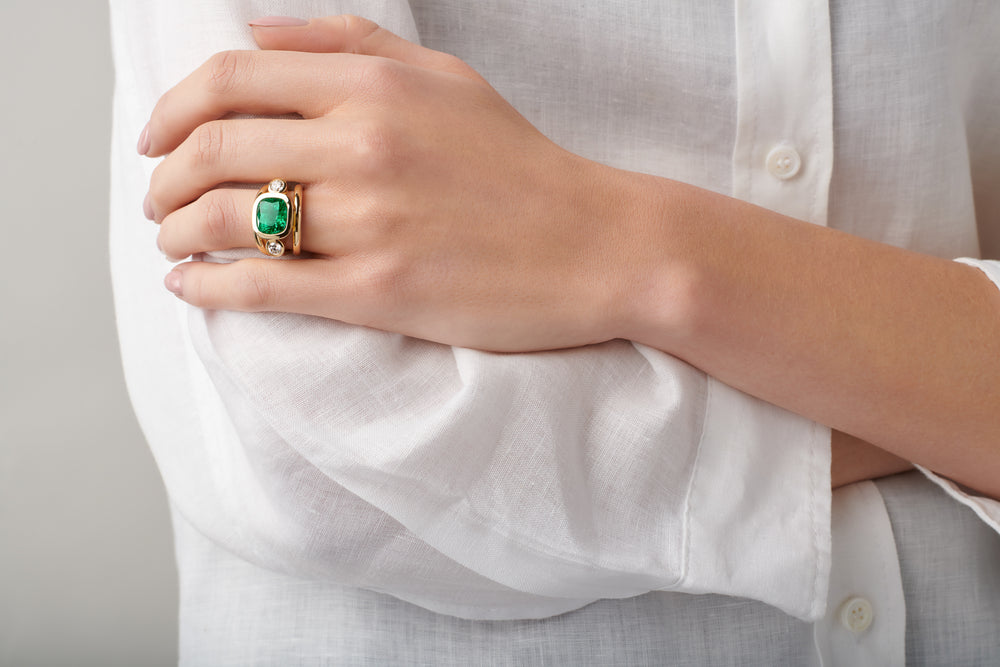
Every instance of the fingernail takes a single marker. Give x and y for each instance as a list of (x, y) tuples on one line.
[(144, 141), (277, 22), (173, 282), (147, 208)]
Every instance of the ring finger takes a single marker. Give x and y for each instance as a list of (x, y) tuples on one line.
[(218, 220), (222, 219)]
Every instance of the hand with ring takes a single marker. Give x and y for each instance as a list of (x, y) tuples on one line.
[(428, 206)]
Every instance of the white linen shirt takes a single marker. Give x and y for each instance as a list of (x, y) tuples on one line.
[(521, 486)]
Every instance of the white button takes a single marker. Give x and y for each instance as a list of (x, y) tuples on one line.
[(783, 162), (856, 615)]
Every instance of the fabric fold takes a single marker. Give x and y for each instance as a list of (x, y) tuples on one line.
[(478, 485)]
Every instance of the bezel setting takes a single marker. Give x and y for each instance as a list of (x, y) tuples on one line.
[(275, 248), (261, 198)]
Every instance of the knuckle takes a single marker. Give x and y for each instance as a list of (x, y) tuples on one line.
[(385, 279), (372, 221), (226, 70), (194, 288), (217, 216), (452, 63), (255, 289), (380, 79), (357, 30), (375, 147), (367, 224), (209, 144)]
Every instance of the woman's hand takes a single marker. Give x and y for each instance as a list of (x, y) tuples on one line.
[(431, 207)]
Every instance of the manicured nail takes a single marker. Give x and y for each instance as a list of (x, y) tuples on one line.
[(147, 208), (173, 282), (277, 22), (143, 145)]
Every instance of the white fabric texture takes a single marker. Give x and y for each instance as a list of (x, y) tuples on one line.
[(521, 486), (236, 614)]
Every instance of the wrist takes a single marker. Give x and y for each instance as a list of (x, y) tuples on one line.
[(660, 290)]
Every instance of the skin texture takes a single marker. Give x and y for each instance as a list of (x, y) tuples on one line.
[(854, 460), (435, 210)]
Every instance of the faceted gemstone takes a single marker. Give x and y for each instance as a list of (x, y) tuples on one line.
[(272, 215), (276, 248), (277, 185)]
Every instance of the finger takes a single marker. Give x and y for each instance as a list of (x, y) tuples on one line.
[(223, 218), (249, 82), (351, 34), (240, 151), (218, 220), (306, 286)]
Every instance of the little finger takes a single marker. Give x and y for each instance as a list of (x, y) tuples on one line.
[(352, 34), (294, 285)]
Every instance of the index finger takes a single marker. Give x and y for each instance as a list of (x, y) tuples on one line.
[(252, 82), (352, 34)]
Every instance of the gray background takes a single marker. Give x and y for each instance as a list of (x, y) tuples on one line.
[(86, 564)]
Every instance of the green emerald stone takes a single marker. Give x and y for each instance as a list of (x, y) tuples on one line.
[(272, 215)]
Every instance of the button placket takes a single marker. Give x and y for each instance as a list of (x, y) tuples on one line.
[(783, 155), (864, 576)]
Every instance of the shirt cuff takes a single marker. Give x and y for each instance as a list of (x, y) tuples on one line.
[(759, 505), (985, 508)]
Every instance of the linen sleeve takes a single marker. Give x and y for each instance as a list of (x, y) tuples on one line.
[(601, 472)]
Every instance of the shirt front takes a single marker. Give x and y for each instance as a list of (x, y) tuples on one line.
[(521, 486)]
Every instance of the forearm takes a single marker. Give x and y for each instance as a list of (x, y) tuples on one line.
[(854, 460), (896, 348)]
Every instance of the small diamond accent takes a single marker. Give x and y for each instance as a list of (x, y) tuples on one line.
[(276, 248), (277, 185)]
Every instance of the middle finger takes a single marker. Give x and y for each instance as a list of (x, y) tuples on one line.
[(240, 151)]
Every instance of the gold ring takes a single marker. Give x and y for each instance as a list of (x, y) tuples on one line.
[(277, 218)]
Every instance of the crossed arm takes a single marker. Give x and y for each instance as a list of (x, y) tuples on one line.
[(532, 248)]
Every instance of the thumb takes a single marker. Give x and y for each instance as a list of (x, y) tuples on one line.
[(350, 34)]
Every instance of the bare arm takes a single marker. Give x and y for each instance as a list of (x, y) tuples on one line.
[(899, 349)]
